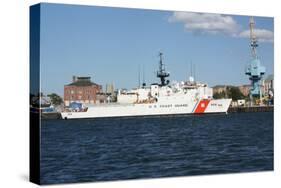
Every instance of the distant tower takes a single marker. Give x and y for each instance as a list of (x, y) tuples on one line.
[(161, 73), (109, 88), (254, 69)]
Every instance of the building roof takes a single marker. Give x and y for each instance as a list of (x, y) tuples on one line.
[(83, 81)]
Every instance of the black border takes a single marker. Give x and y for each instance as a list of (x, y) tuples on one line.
[(34, 80)]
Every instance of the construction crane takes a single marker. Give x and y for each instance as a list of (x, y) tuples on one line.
[(254, 69)]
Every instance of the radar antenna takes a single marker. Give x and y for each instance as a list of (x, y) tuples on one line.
[(161, 73)]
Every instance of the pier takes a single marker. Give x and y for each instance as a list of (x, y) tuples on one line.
[(250, 109)]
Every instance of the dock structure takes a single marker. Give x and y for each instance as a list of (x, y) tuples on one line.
[(251, 109)]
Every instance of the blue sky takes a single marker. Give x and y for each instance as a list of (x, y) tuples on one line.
[(110, 44)]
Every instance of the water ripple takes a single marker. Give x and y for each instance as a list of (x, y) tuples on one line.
[(129, 148)]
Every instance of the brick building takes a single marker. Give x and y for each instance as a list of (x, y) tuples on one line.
[(82, 90)]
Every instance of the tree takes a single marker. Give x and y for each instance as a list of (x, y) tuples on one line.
[(219, 95), (235, 93), (55, 99), (230, 92)]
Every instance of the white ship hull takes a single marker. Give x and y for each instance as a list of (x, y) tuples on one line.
[(150, 109)]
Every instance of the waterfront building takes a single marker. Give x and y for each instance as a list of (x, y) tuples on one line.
[(109, 88), (81, 90), (268, 85)]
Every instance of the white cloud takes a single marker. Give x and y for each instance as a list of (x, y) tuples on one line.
[(262, 35), (206, 23)]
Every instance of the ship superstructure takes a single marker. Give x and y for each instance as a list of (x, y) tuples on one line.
[(185, 97)]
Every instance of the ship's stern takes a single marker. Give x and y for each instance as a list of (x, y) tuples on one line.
[(218, 106)]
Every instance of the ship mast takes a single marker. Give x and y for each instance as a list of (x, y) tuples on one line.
[(161, 73)]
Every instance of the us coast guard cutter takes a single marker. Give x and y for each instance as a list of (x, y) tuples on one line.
[(186, 97)]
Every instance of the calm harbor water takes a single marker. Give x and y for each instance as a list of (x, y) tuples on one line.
[(120, 148)]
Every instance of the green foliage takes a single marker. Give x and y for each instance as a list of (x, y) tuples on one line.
[(230, 92), (219, 95), (55, 99), (235, 93)]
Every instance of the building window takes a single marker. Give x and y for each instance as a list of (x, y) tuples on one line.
[(72, 91)]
